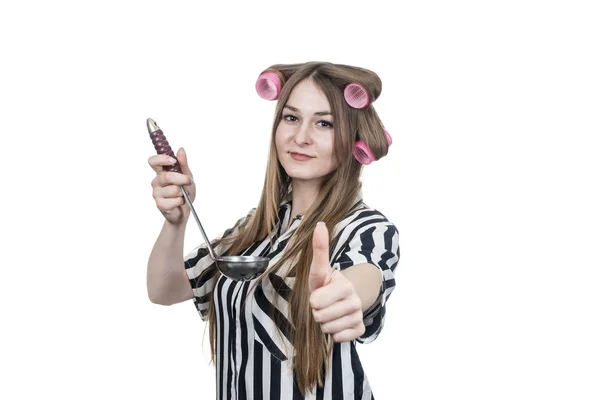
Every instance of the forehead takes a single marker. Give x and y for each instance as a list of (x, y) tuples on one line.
[(307, 97)]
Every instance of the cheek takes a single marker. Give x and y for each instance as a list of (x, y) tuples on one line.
[(279, 140), (328, 147)]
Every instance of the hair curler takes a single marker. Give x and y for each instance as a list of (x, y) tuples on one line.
[(356, 95), (363, 153), (268, 85)]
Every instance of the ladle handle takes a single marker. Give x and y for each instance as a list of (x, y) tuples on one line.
[(212, 253), (162, 147)]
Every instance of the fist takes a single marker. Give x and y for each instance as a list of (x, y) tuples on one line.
[(335, 305)]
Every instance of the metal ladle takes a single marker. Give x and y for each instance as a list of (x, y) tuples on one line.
[(239, 268)]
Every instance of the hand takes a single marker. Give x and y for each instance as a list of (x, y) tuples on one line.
[(166, 191), (333, 299)]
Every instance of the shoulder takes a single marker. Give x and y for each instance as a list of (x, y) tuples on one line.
[(248, 216), (364, 228), (366, 235), (360, 218), (239, 224)]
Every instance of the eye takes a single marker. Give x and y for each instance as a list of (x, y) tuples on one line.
[(290, 118), (326, 124)]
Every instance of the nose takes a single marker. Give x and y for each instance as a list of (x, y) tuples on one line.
[(302, 135)]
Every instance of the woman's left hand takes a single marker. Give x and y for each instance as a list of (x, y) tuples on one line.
[(333, 299)]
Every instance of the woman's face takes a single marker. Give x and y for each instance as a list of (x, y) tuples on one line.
[(304, 136)]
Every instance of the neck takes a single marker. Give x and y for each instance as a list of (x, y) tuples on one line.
[(304, 194)]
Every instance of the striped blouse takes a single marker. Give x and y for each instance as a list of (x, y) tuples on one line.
[(254, 355)]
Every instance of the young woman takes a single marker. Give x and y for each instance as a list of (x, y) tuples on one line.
[(291, 333)]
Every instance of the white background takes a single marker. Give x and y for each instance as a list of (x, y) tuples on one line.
[(492, 181)]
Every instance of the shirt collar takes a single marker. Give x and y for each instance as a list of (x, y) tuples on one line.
[(286, 206)]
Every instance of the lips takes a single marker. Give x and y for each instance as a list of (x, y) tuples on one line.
[(300, 156)]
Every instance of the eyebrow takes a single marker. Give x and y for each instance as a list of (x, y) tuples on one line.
[(317, 113)]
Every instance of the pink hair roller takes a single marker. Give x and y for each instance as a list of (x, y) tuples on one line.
[(388, 137), (356, 95), (363, 154), (268, 86)]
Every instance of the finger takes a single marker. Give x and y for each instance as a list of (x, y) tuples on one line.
[(183, 161), (167, 178), (321, 246), (170, 191), (168, 205), (320, 268), (349, 334), (337, 310), (349, 321), (335, 291), (158, 161)]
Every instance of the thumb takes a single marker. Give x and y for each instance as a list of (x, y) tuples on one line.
[(320, 269), (183, 162)]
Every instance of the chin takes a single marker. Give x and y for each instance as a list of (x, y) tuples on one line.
[(301, 174)]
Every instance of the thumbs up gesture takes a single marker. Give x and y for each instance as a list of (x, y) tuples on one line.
[(333, 298)]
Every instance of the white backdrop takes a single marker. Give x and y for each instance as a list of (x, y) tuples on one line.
[(492, 181)]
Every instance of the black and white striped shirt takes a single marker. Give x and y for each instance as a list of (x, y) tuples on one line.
[(253, 362)]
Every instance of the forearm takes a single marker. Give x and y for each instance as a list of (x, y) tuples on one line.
[(366, 279), (166, 261)]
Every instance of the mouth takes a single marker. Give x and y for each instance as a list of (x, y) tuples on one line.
[(300, 156)]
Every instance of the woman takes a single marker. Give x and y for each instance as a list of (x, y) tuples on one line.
[(271, 338)]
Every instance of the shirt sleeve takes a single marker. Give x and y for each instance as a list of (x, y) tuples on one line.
[(374, 242), (202, 271)]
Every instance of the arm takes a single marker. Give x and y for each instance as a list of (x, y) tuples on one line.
[(173, 278), (348, 302), (376, 244), (166, 280), (366, 279)]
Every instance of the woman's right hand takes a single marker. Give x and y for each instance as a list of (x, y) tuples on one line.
[(165, 187)]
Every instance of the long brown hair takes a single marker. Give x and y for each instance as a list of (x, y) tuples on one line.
[(335, 199)]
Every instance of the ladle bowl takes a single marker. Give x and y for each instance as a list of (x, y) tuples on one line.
[(242, 268)]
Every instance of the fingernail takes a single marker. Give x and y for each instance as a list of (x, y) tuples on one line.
[(173, 161), (320, 223)]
